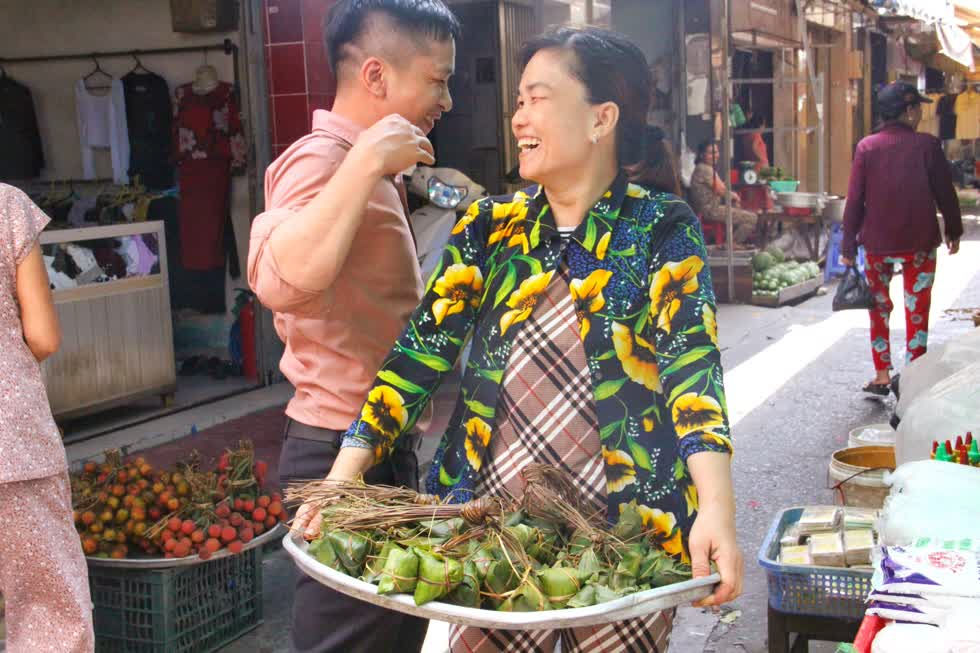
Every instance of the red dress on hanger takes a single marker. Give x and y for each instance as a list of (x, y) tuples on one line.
[(209, 147)]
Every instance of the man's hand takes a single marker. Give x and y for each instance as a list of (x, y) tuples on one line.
[(954, 246), (847, 262), (392, 145), (712, 539)]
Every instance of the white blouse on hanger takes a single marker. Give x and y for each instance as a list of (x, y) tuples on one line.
[(102, 124)]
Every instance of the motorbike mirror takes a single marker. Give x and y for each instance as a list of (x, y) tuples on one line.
[(445, 196)]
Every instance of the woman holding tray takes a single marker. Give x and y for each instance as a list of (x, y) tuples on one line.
[(43, 576), (592, 318)]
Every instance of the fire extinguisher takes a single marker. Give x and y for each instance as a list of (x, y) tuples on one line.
[(245, 309)]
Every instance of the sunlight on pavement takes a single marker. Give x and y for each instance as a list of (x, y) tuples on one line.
[(749, 384)]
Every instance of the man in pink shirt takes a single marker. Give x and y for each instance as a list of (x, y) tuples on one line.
[(333, 256)]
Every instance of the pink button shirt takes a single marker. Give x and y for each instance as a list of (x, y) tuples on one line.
[(30, 445), (336, 338)]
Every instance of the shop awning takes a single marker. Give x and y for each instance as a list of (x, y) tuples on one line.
[(967, 18), (925, 10)]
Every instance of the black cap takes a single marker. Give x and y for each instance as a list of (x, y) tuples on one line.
[(894, 97)]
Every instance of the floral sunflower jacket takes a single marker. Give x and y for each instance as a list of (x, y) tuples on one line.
[(646, 310)]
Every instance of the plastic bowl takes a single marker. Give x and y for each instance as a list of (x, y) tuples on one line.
[(785, 186)]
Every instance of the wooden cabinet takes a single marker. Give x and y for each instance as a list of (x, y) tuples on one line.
[(117, 337)]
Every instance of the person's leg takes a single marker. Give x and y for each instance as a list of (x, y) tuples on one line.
[(744, 224), (44, 580), (327, 621), (879, 275), (918, 274), (469, 639)]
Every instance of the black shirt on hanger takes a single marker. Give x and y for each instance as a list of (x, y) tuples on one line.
[(21, 155), (149, 116), (947, 117)]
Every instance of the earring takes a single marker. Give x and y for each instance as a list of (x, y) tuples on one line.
[(595, 139)]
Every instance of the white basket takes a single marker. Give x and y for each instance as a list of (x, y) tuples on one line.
[(627, 607)]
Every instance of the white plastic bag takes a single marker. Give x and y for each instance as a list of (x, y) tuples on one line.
[(909, 638), (928, 478), (905, 519), (938, 363), (949, 408)]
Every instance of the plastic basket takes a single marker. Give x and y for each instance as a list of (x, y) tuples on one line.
[(810, 590), (197, 608), (834, 267)]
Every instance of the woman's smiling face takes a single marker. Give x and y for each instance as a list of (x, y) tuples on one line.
[(554, 122)]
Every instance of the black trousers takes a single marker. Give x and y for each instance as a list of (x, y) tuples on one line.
[(324, 620)]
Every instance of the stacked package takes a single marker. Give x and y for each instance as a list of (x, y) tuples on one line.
[(830, 536)]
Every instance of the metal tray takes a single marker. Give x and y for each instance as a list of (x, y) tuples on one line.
[(627, 607), (167, 563)]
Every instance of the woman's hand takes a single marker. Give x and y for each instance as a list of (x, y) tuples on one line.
[(351, 462), (712, 539)]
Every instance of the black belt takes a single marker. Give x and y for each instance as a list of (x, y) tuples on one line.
[(295, 429)]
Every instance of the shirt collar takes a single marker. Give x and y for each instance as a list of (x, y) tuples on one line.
[(596, 227), (336, 125), (896, 125)]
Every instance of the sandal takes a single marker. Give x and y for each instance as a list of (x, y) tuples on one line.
[(880, 389)]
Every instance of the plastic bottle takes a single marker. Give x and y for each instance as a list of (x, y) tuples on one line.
[(974, 454)]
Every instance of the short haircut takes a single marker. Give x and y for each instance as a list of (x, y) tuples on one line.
[(418, 20), (703, 148)]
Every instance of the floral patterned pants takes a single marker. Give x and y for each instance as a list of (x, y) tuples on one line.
[(918, 273)]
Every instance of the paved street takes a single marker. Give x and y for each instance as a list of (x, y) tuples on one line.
[(792, 380)]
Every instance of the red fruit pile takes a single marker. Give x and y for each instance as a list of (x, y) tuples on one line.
[(121, 507)]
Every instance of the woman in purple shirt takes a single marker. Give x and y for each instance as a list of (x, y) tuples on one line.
[(898, 179)]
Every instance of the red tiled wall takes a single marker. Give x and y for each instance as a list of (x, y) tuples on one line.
[(299, 78)]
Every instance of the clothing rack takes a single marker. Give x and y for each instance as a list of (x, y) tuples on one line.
[(226, 47)]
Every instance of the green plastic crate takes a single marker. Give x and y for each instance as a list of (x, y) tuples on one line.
[(197, 608)]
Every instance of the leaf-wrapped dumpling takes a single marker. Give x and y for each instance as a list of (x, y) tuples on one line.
[(401, 572), (438, 576)]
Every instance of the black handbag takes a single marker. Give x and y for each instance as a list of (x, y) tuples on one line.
[(853, 292)]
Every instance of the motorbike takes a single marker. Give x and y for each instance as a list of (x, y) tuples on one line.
[(447, 193)]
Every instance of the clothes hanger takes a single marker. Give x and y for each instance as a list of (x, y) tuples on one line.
[(139, 66), (97, 71), (205, 77)]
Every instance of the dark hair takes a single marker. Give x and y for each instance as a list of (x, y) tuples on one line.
[(419, 19), (613, 69), (659, 170), (703, 149)]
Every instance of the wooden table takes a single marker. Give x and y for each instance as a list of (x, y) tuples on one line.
[(810, 227)]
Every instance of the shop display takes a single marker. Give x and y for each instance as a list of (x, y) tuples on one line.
[(546, 552), (102, 125), (829, 536), (149, 116), (131, 509), (209, 147), (773, 273), (22, 156)]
